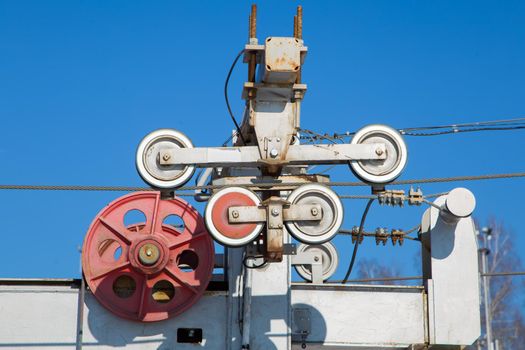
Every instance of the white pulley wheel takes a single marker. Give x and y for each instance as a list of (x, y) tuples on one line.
[(218, 224), (316, 231), (148, 159), (330, 260), (383, 170)]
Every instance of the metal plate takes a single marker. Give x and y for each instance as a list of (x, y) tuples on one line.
[(216, 217), (386, 170), (161, 271), (148, 159), (316, 232), (329, 258)]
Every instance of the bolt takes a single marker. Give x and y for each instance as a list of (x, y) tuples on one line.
[(166, 156), (316, 258), (235, 214), (379, 151), (314, 211), (278, 139), (149, 252), (274, 153), (275, 212)]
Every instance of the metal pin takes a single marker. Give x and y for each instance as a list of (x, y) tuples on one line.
[(299, 22), (252, 30)]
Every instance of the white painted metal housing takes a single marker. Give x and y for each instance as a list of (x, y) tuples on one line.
[(263, 309)]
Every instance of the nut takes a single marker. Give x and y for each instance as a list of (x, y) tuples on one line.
[(166, 156), (274, 153), (314, 211), (235, 214), (275, 212), (379, 151), (316, 258)]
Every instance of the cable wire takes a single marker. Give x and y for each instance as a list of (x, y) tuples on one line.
[(512, 121), (491, 125), (456, 131), (226, 95), (356, 244), (264, 184)]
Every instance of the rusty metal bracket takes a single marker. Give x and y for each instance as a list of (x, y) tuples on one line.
[(274, 228), (392, 197)]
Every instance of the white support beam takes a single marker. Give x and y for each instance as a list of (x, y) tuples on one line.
[(249, 156)]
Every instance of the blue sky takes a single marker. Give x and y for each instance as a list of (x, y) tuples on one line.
[(81, 82)]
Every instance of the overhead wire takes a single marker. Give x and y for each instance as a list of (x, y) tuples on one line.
[(356, 244), (512, 121), (456, 131), (491, 125), (264, 184)]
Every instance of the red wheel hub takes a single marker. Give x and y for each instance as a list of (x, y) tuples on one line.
[(148, 271), (220, 215)]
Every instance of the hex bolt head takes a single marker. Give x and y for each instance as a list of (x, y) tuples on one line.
[(275, 212), (314, 211), (379, 151), (274, 153), (235, 214), (166, 156)]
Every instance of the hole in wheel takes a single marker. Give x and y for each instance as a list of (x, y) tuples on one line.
[(109, 250), (124, 286), (174, 221), (118, 253), (133, 218), (163, 291), (187, 261)]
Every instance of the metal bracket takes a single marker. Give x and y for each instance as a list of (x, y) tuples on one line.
[(312, 259), (274, 228), (289, 249), (253, 214), (302, 324)]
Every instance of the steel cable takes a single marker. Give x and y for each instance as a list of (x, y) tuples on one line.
[(264, 184), (356, 244)]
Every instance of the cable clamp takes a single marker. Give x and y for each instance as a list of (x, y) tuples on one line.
[(381, 235), (355, 233), (415, 197), (391, 197), (397, 236)]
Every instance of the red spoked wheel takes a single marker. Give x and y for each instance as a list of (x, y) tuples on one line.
[(152, 270)]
